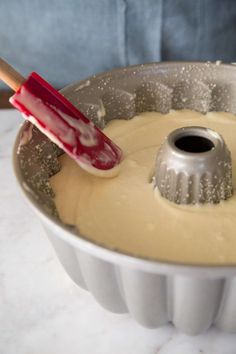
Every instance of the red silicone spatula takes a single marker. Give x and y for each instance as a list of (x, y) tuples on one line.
[(63, 123)]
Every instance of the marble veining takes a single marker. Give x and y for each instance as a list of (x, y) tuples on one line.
[(43, 312)]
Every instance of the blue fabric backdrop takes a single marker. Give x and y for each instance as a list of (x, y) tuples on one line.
[(67, 40)]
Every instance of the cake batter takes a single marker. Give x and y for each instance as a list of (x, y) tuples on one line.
[(125, 213)]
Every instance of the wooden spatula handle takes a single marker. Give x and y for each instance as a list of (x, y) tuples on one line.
[(10, 76)]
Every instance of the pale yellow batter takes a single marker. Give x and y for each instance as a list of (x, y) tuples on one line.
[(125, 213)]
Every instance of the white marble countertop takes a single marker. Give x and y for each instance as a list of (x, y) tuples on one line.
[(41, 310)]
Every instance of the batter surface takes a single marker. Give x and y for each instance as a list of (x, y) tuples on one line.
[(126, 214)]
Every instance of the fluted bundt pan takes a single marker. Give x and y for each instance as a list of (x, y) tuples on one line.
[(191, 297)]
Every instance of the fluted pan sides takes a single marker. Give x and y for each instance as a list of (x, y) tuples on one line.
[(192, 304), (226, 319), (101, 280), (67, 257), (146, 297)]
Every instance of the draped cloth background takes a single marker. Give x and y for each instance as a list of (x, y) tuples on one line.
[(68, 40)]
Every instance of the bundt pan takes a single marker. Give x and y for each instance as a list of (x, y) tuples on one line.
[(191, 297)]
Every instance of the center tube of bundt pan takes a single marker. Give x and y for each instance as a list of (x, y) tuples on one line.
[(194, 166)]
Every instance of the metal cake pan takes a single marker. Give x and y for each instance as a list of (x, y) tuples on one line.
[(191, 297)]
